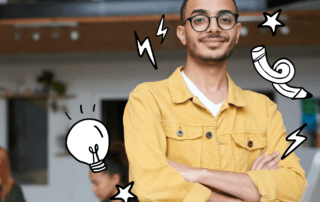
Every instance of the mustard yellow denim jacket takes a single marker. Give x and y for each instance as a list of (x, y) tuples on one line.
[(163, 120)]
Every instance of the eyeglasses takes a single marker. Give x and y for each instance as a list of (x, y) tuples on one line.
[(201, 22)]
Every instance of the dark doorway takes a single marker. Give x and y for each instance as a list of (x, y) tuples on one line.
[(112, 114)]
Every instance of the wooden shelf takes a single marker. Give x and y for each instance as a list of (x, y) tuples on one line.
[(36, 96), (116, 33)]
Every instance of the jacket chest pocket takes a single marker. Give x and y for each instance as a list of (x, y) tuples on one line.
[(247, 147), (183, 143)]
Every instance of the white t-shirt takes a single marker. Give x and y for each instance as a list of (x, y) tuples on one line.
[(213, 108)]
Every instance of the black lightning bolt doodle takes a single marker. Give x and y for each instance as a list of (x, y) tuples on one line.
[(297, 141), (162, 32), (146, 46)]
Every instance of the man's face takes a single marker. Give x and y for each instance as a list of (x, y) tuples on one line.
[(214, 44), (103, 185)]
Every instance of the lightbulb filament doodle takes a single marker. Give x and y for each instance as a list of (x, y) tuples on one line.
[(94, 153)]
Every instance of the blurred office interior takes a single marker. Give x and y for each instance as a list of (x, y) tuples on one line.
[(56, 56)]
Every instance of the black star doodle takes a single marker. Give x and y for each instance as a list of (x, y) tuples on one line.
[(124, 193), (272, 21)]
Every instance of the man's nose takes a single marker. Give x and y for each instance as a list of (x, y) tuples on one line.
[(213, 26)]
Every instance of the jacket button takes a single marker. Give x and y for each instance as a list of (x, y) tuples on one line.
[(180, 133), (209, 135), (250, 143)]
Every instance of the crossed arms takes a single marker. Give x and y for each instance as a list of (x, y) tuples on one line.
[(236, 184), (157, 180)]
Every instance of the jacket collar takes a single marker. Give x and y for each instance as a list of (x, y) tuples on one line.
[(180, 92)]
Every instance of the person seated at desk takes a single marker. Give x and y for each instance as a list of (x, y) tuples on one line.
[(104, 183), (10, 191)]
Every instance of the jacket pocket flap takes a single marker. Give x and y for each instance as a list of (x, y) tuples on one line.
[(250, 140), (182, 132)]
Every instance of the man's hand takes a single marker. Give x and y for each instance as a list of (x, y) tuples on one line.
[(190, 174), (269, 162)]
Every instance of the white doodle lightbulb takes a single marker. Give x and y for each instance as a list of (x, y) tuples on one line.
[(88, 142)]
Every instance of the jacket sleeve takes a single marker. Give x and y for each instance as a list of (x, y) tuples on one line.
[(287, 183), (145, 142)]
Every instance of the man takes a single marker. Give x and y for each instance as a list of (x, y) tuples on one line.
[(196, 136)]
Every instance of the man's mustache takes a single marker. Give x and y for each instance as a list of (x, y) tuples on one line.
[(201, 39)]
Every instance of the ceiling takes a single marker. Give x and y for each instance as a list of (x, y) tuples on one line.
[(76, 8)]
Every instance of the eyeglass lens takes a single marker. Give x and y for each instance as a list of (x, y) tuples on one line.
[(201, 22)]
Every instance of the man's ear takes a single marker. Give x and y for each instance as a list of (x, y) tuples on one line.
[(116, 178), (238, 27), (181, 34)]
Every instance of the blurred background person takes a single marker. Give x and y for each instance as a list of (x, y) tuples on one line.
[(10, 191), (104, 183)]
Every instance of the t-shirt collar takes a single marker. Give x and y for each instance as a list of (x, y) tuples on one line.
[(180, 92)]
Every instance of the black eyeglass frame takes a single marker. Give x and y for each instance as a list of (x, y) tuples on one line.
[(209, 17)]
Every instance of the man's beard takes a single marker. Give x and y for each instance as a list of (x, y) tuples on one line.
[(192, 49)]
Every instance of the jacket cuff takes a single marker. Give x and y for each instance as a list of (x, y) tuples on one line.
[(264, 181), (198, 193)]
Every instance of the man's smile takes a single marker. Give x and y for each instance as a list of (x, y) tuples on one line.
[(213, 41)]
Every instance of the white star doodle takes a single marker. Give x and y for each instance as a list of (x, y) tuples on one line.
[(124, 193), (272, 21)]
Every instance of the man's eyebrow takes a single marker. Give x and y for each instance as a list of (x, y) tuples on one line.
[(202, 11), (224, 11)]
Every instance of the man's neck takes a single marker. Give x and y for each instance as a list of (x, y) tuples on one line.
[(210, 79)]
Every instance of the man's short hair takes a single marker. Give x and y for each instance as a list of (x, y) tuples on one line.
[(182, 11)]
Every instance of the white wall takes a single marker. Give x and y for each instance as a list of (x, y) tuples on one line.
[(95, 76)]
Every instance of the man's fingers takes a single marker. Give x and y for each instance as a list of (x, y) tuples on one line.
[(266, 160), (275, 167), (256, 161), (272, 163), (263, 153)]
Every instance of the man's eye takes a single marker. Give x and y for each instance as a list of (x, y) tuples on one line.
[(199, 20), (225, 20)]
